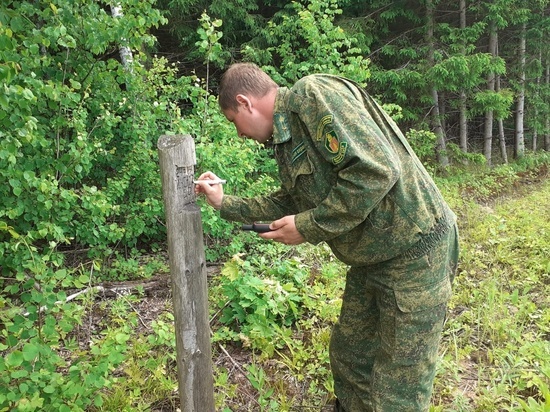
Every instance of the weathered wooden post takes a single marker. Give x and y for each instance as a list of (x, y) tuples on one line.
[(188, 273)]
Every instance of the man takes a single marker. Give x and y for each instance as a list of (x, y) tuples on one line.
[(349, 178)]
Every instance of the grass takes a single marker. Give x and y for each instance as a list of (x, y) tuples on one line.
[(496, 350)]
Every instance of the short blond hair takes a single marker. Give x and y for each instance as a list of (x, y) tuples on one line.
[(243, 78)]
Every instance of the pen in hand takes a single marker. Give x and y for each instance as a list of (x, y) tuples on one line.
[(211, 181)]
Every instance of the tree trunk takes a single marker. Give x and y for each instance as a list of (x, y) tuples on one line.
[(437, 126), (438, 130), (519, 148), (126, 55), (501, 136), (502, 141), (488, 129), (463, 121), (536, 108), (547, 123)]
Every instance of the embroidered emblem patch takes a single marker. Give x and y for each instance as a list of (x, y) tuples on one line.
[(320, 129), (332, 143), (298, 152), (282, 127)]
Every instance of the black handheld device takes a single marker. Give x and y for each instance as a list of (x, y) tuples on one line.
[(257, 227)]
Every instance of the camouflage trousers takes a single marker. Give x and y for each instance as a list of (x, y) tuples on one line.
[(384, 347)]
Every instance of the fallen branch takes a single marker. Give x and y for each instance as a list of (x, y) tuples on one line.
[(69, 298), (116, 289)]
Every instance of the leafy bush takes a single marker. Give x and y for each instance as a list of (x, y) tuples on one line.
[(423, 143), (259, 309), (42, 367), (303, 39), (77, 134), (77, 129)]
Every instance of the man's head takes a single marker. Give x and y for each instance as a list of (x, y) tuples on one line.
[(247, 99), (243, 78)]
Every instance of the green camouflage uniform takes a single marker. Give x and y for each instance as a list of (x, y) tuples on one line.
[(352, 180)]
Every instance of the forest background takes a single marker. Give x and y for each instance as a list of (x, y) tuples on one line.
[(89, 86)]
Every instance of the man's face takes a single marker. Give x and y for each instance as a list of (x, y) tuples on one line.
[(251, 123)]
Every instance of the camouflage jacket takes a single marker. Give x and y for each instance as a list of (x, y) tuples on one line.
[(349, 176)]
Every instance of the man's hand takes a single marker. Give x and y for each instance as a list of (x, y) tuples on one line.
[(284, 231), (213, 192)]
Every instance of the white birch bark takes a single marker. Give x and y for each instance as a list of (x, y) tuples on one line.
[(488, 128), (125, 52), (520, 105), (442, 156), (463, 121)]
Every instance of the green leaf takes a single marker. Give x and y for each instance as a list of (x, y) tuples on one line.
[(121, 337), (30, 351), (18, 374), (74, 84), (15, 358), (28, 94), (98, 401), (48, 389), (6, 74)]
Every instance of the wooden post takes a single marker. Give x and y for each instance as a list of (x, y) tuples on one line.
[(188, 273)]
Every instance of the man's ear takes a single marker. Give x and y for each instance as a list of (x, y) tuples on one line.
[(244, 102)]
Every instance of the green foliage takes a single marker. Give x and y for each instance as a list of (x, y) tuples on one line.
[(78, 146), (209, 36), (314, 282), (257, 378), (465, 158), (242, 20), (482, 185), (260, 310), (147, 381), (499, 102), (77, 129), (465, 72), (423, 143), (42, 367), (78, 157), (303, 39), (399, 87)]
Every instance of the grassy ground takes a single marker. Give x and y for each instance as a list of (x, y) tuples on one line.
[(272, 310), (496, 350)]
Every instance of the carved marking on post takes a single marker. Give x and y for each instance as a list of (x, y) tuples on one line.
[(184, 177)]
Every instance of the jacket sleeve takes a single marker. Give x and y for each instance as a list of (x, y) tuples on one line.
[(345, 134), (263, 208)]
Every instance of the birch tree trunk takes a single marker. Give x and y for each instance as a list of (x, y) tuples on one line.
[(539, 99), (488, 129), (441, 148), (501, 136), (463, 120), (519, 148), (547, 123), (125, 52)]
